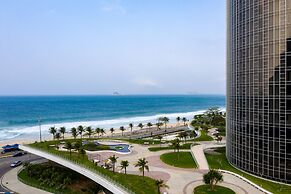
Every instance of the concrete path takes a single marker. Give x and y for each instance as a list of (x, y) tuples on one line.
[(236, 184), (199, 156), (11, 181)]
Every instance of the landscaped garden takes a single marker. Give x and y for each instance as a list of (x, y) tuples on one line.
[(134, 183), (57, 179), (179, 159), (218, 160), (204, 189)]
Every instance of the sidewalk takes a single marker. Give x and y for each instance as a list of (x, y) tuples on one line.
[(11, 181)]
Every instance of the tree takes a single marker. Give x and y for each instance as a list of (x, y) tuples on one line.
[(142, 163), (122, 129), (130, 126), (78, 145), (160, 138), (102, 131), (89, 131), (178, 119), (192, 134), (159, 124), (58, 135), (212, 178), (149, 124), (176, 145), (53, 131), (165, 120), (124, 164), (183, 135), (81, 130), (74, 132), (69, 146), (112, 131), (98, 131), (140, 125), (160, 184), (184, 119), (113, 160), (82, 152), (63, 131)]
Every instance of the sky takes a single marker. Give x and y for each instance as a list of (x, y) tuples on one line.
[(74, 47)]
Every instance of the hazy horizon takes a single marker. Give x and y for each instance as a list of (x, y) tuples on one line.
[(149, 47)]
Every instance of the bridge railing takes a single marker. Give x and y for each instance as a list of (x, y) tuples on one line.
[(91, 169)]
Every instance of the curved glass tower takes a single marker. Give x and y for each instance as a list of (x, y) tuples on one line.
[(259, 87)]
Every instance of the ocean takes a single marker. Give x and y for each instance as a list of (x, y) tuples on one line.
[(19, 115)]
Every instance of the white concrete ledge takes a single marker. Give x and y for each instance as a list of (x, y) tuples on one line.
[(246, 180), (98, 178)]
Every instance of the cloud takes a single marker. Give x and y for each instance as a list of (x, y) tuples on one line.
[(146, 82), (114, 6)]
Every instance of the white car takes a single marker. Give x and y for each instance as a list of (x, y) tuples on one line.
[(15, 163)]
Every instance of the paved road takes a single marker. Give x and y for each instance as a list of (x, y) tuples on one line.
[(5, 165)]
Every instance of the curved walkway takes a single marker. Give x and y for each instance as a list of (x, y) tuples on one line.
[(116, 189), (240, 186), (11, 181)]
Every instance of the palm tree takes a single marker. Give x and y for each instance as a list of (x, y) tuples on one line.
[(178, 119), (183, 135), (184, 119), (63, 131), (149, 124), (212, 178), (81, 130), (69, 146), (53, 131), (142, 163), (74, 132), (160, 184), (58, 135), (160, 138), (122, 129), (89, 131), (102, 131), (140, 125), (130, 126), (82, 152), (112, 131), (98, 131), (165, 120), (78, 145), (159, 124), (124, 164), (176, 145), (113, 160)]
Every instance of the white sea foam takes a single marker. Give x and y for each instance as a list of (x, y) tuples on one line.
[(29, 131)]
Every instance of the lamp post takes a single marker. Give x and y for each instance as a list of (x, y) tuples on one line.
[(39, 124)]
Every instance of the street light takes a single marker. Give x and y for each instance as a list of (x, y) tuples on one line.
[(39, 124)]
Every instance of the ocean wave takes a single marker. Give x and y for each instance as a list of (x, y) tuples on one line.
[(16, 132)]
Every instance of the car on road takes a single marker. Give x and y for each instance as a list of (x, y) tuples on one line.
[(15, 163), (19, 154)]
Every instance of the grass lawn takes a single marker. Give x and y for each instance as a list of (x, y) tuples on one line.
[(185, 159), (93, 147), (205, 189), (220, 162), (203, 136), (185, 146), (135, 183)]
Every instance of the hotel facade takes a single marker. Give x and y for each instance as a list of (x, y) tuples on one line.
[(259, 87)]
